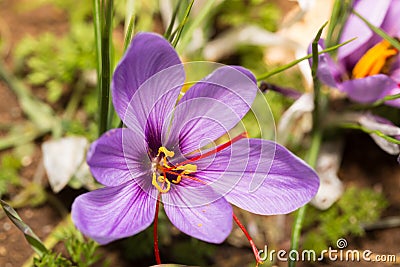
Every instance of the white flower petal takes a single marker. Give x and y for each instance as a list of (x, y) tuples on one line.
[(62, 159), (331, 188)]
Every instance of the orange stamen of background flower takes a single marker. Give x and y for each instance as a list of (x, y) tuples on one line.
[(374, 60)]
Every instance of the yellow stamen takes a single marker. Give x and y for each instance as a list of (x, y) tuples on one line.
[(162, 190), (166, 152), (186, 169), (178, 179), (374, 60)]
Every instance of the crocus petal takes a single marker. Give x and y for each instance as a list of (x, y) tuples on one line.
[(368, 89), (355, 27), (374, 122), (388, 147), (118, 156), (395, 102), (287, 183), (385, 126), (149, 54), (116, 212), (328, 71), (211, 108), (391, 23), (395, 75), (199, 212)]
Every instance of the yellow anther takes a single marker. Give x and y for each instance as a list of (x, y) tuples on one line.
[(187, 167), (164, 167), (166, 152), (161, 179), (154, 182), (374, 60), (178, 179)]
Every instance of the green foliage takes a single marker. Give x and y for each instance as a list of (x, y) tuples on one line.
[(141, 245), (237, 13), (54, 61), (52, 260), (138, 246), (252, 57), (82, 252), (356, 206), (10, 165), (30, 236), (193, 252)]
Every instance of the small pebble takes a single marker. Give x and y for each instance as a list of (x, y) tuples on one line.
[(46, 229), (6, 226), (26, 161), (3, 251), (3, 236), (28, 214)]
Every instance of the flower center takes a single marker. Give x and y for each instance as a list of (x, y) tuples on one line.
[(376, 60), (164, 174)]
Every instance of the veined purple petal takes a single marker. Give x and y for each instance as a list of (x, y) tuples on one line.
[(116, 212), (368, 89), (375, 12), (149, 74), (211, 108), (199, 212), (391, 23), (287, 183), (118, 156)]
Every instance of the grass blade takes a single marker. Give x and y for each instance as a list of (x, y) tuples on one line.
[(295, 62), (30, 236), (380, 32)]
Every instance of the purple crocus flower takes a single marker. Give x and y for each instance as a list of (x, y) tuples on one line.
[(367, 68), (157, 158)]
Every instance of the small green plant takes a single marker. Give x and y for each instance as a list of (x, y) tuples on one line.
[(10, 165), (52, 260), (81, 251), (345, 218), (53, 62), (237, 13)]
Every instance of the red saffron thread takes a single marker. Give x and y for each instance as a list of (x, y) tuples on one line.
[(253, 246), (211, 152), (155, 232), (187, 177)]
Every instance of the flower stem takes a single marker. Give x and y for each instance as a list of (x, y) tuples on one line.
[(105, 80), (155, 232), (253, 246), (316, 139), (369, 131)]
